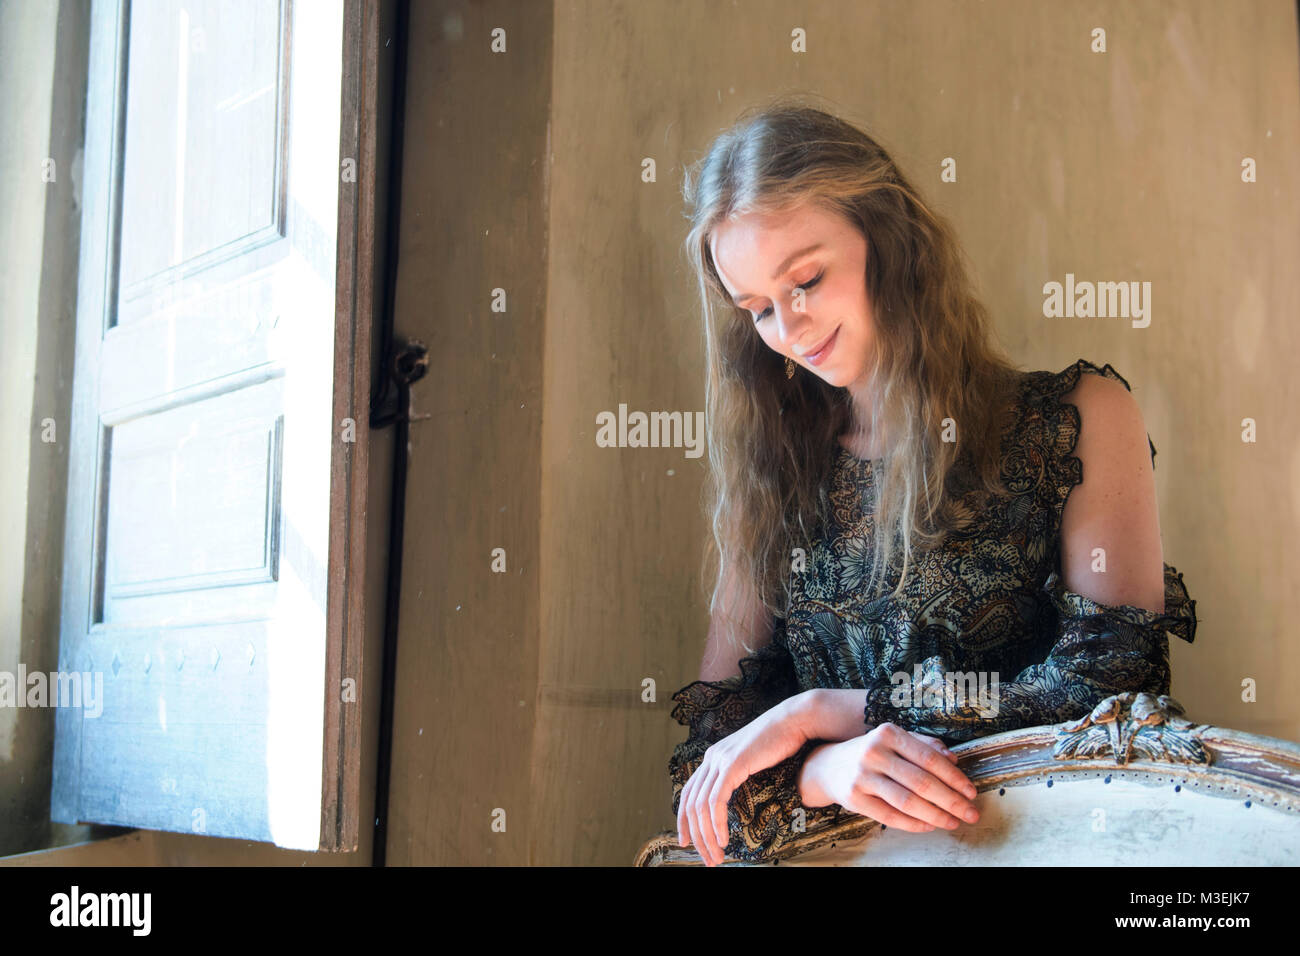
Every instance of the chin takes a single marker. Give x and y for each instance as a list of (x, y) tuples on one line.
[(835, 377)]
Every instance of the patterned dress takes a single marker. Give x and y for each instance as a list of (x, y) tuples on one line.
[(989, 602)]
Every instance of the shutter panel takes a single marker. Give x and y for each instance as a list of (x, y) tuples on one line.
[(197, 536)]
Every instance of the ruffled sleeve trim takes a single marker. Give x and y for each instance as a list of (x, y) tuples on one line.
[(1178, 618), (713, 709)]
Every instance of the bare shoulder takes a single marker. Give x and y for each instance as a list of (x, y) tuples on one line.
[(1110, 531), (1109, 405)]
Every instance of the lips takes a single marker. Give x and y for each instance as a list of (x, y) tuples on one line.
[(819, 356)]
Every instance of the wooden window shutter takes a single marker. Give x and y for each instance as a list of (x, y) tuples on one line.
[(213, 528)]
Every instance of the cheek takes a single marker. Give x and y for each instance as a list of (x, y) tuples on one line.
[(842, 300), (853, 305)]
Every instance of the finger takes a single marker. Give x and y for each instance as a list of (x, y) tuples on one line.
[(879, 810), (937, 744), (701, 846), (685, 808), (683, 821), (694, 838), (965, 791), (700, 826), (719, 795), (929, 787), (689, 819), (912, 804), (911, 747), (703, 818), (928, 774)]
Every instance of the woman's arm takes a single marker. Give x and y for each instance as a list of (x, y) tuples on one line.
[(830, 714), (739, 619), (1110, 528)]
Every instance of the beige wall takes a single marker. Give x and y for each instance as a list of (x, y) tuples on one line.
[(1115, 166), (474, 219)]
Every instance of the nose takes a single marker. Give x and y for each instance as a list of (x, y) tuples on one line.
[(790, 325)]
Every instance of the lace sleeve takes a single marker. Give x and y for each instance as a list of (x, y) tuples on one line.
[(765, 812), (1101, 650)]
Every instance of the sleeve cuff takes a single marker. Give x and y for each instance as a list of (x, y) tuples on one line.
[(714, 709), (1178, 618)]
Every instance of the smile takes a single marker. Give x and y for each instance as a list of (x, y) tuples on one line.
[(816, 358)]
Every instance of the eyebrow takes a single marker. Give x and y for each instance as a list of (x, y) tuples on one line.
[(781, 269)]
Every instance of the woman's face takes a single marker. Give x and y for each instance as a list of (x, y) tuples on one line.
[(802, 278)]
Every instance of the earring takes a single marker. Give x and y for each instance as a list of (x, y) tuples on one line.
[(789, 367)]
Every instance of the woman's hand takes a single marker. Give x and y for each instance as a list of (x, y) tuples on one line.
[(901, 778), (765, 741)]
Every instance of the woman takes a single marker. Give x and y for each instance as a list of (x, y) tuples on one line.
[(896, 509)]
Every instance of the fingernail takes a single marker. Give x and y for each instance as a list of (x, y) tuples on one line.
[(972, 815)]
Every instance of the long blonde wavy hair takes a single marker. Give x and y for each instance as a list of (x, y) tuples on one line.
[(771, 439)]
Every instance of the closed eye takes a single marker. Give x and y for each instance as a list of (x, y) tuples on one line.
[(806, 286)]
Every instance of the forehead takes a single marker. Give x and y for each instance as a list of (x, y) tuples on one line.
[(747, 249)]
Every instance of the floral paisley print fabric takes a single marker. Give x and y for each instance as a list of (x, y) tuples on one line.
[(984, 638)]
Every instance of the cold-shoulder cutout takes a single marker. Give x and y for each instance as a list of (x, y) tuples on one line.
[(1053, 430)]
